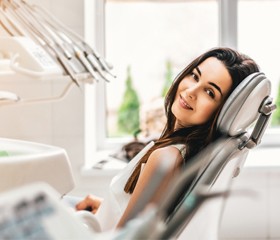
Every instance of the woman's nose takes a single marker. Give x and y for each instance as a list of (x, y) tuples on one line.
[(191, 92)]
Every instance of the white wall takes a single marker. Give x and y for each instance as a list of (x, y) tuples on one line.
[(255, 216)]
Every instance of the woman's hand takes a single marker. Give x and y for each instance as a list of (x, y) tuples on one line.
[(90, 203)]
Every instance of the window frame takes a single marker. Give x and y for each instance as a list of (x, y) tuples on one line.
[(95, 99)]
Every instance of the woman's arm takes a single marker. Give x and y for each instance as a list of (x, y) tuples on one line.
[(174, 158)]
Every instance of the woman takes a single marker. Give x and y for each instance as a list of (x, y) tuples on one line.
[(192, 106)]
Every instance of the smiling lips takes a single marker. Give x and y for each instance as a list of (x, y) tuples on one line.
[(184, 104)]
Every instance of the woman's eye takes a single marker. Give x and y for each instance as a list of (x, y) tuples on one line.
[(194, 76), (210, 93)]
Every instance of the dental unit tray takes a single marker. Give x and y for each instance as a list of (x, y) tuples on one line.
[(35, 45), (22, 60), (23, 56), (18, 18)]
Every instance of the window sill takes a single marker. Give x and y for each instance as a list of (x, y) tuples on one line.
[(104, 165), (263, 157)]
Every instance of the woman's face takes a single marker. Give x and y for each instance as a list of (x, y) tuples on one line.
[(200, 93)]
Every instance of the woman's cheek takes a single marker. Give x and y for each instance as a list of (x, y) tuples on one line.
[(207, 111)]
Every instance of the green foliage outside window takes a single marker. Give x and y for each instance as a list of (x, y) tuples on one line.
[(276, 114), (168, 79), (3, 153), (128, 113)]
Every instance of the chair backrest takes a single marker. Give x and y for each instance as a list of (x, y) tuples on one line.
[(213, 169), (242, 122)]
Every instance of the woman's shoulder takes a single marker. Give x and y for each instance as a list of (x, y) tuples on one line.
[(168, 153), (172, 149)]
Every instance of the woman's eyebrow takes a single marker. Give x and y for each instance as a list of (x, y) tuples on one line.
[(211, 83), (217, 87), (198, 70)]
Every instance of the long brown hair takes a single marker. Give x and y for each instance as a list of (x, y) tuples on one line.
[(196, 137)]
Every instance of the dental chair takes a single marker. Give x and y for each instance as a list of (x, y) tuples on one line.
[(248, 108), (194, 212)]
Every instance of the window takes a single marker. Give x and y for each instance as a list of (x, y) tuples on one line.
[(157, 38), (153, 40), (259, 36)]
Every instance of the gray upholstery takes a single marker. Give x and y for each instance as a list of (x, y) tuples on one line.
[(241, 108)]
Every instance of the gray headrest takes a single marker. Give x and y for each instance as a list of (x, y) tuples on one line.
[(241, 108)]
